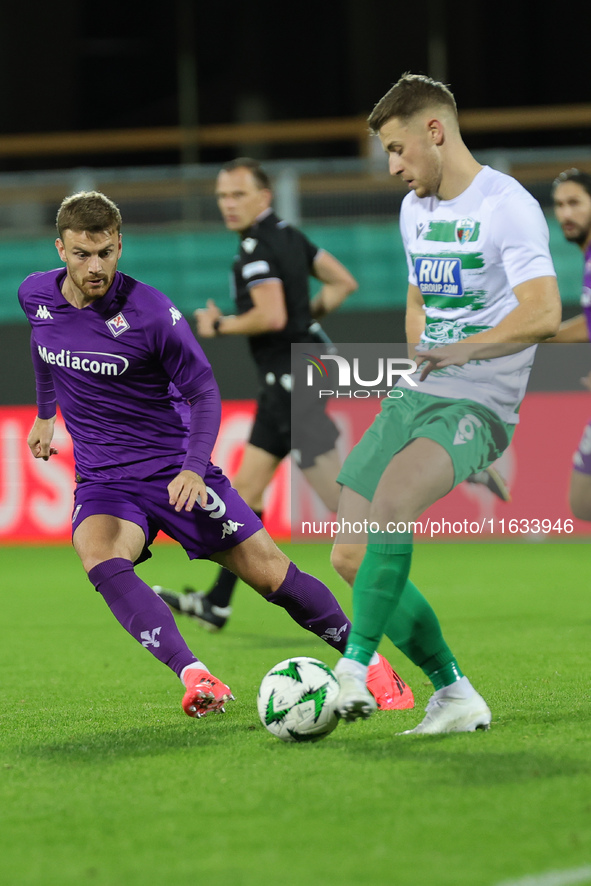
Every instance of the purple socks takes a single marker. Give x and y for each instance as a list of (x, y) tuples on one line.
[(312, 606), (141, 612), (148, 619)]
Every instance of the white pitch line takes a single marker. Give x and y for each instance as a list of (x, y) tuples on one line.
[(553, 878)]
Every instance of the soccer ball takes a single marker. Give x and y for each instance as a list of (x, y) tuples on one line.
[(297, 698)]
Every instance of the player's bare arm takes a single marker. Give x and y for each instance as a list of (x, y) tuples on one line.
[(40, 437), (186, 489), (572, 331), (338, 284), (268, 314), (535, 319)]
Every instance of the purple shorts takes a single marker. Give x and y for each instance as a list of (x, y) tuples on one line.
[(225, 521), (582, 457)]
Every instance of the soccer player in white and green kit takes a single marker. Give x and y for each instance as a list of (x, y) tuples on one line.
[(481, 284)]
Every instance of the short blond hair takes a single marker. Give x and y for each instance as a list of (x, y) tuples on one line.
[(88, 211), (412, 93)]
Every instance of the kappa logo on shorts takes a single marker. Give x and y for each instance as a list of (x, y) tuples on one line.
[(230, 527), (466, 429)]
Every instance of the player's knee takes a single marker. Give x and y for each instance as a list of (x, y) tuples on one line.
[(386, 513), (267, 581), (258, 562), (92, 558), (96, 554), (346, 560), (401, 509)]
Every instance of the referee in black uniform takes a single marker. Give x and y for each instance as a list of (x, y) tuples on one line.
[(271, 275)]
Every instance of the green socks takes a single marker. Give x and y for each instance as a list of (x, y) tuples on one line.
[(377, 587), (386, 602), (414, 628)]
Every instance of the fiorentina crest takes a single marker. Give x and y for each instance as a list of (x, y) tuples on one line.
[(117, 324)]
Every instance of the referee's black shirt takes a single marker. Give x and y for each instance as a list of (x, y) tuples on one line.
[(271, 249)]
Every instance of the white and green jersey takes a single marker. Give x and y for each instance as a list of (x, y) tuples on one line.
[(466, 256)]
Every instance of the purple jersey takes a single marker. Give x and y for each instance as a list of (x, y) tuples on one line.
[(111, 366), (586, 294)]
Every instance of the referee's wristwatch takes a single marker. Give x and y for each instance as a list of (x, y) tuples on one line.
[(216, 325)]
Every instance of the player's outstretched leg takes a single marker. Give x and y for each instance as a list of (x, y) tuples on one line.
[(150, 622), (376, 590), (387, 687)]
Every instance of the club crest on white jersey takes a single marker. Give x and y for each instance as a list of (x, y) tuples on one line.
[(465, 228)]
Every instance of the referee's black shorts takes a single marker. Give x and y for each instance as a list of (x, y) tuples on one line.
[(272, 429)]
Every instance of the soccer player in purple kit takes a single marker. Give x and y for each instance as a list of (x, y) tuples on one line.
[(571, 192), (116, 355)]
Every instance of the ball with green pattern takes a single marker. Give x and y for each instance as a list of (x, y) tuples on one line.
[(297, 700)]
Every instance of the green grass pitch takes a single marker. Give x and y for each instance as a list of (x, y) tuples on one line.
[(104, 780)]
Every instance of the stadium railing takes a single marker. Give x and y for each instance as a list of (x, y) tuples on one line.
[(166, 138)]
